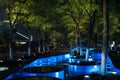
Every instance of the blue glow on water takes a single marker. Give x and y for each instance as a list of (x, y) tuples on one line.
[(96, 56), (59, 74), (42, 62), (73, 70), (91, 48), (48, 61)]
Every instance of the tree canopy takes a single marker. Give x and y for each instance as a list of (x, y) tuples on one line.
[(64, 16)]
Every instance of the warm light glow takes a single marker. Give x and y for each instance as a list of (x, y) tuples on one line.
[(21, 43), (1, 60)]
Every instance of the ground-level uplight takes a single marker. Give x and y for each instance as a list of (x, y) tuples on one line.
[(3, 68), (114, 72), (86, 77)]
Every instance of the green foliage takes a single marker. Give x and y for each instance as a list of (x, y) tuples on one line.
[(56, 38), (62, 16)]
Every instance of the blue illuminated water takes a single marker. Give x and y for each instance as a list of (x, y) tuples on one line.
[(69, 71), (53, 60)]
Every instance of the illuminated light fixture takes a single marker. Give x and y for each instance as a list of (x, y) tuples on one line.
[(57, 74), (78, 61), (1, 60), (95, 68), (114, 72), (67, 55), (86, 77), (19, 59), (3, 68), (90, 59), (7, 21), (74, 56)]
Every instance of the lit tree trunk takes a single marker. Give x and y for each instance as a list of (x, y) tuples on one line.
[(77, 33), (29, 45), (92, 16), (10, 44), (43, 43), (39, 48), (30, 39), (80, 42), (54, 43), (105, 37), (10, 32), (90, 32), (76, 37), (81, 46), (48, 49)]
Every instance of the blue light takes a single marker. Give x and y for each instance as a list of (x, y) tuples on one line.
[(67, 56), (96, 56), (58, 74), (91, 49), (75, 70)]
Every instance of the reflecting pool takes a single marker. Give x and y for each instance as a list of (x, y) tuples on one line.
[(70, 67)]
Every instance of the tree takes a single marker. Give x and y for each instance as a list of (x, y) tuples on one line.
[(105, 37), (72, 17), (41, 19), (89, 8), (114, 20), (56, 38), (17, 12)]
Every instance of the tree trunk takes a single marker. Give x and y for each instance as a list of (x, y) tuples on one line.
[(76, 36), (105, 38), (39, 50), (29, 45), (10, 33), (10, 42), (39, 41), (10, 49), (44, 43), (81, 53), (90, 32)]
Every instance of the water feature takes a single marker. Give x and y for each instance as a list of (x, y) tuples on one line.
[(71, 66)]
